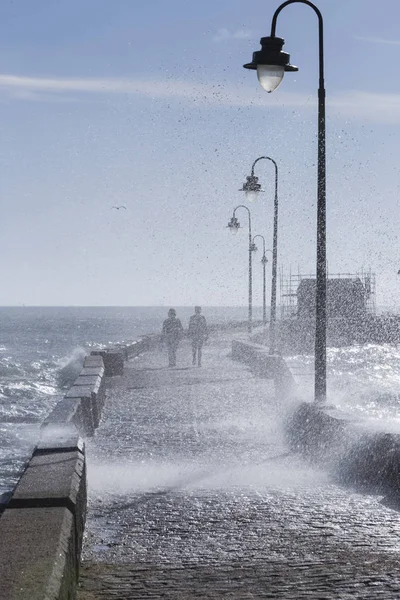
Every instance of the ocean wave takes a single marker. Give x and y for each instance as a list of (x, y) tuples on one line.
[(363, 379), (8, 368)]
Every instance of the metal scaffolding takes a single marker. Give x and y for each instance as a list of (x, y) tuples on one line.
[(289, 285)]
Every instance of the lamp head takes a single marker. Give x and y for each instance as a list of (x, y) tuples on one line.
[(264, 260), (270, 63), (234, 225), (251, 187)]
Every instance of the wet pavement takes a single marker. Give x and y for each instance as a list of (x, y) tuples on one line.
[(193, 493)]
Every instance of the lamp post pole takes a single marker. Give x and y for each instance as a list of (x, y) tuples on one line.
[(271, 64), (264, 262), (234, 226), (252, 188)]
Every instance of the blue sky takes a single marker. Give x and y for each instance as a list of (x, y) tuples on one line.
[(147, 105)]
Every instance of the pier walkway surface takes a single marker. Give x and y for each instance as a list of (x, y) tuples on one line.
[(194, 494)]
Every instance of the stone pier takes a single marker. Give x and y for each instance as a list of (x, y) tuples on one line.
[(193, 493)]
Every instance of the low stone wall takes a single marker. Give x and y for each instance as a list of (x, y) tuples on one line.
[(41, 529), (114, 357), (355, 451), (82, 405), (270, 366)]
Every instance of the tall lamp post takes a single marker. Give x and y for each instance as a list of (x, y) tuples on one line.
[(252, 188), (264, 262), (234, 226), (271, 63)]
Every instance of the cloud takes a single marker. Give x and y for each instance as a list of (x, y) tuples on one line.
[(355, 104), (375, 40), (224, 34), (208, 94)]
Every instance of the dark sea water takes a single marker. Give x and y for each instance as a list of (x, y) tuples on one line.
[(41, 351)]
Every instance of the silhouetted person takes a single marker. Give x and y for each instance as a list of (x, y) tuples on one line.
[(198, 334), (172, 332)]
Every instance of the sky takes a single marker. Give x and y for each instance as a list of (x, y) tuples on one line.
[(119, 102)]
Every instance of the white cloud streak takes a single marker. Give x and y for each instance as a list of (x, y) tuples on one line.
[(375, 40), (378, 107), (208, 94), (224, 34)]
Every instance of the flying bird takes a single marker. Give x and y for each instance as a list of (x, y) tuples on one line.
[(118, 207)]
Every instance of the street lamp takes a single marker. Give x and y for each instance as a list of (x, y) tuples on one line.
[(271, 64), (234, 226), (252, 189), (264, 262)]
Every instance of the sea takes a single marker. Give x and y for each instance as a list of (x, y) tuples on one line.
[(42, 350)]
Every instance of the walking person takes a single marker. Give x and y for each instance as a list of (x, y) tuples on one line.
[(172, 332), (198, 333)]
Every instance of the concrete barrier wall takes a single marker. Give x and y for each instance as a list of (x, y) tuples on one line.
[(271, 366), (41, 529), (82, 405), (356, 451)]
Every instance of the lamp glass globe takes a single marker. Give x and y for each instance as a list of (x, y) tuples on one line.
[(251, 195), (270, 76)]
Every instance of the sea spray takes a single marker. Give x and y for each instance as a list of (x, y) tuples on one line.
[(70, 367)]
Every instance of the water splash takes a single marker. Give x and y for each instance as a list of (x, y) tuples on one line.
[(70, 367)]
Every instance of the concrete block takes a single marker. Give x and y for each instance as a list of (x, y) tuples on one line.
[(83, 402), (356, 453), (321, 432), (143, 344), (54, 479), (131, 349), (88, 380), (89, 413), (90, 410), (374, 460), (123, 348), (76, 412), (57, 429), (113, 361), (97, 396), (81, 391), (39, 558), (264, 364), (92, 371), (93, 360), (65, 412), (59, 438)]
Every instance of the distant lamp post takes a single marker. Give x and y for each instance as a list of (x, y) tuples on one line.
[(252, 189), (271, 63), (234, 226), (264, 262)]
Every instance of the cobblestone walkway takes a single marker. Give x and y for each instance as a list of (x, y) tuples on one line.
[(193, 494)]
